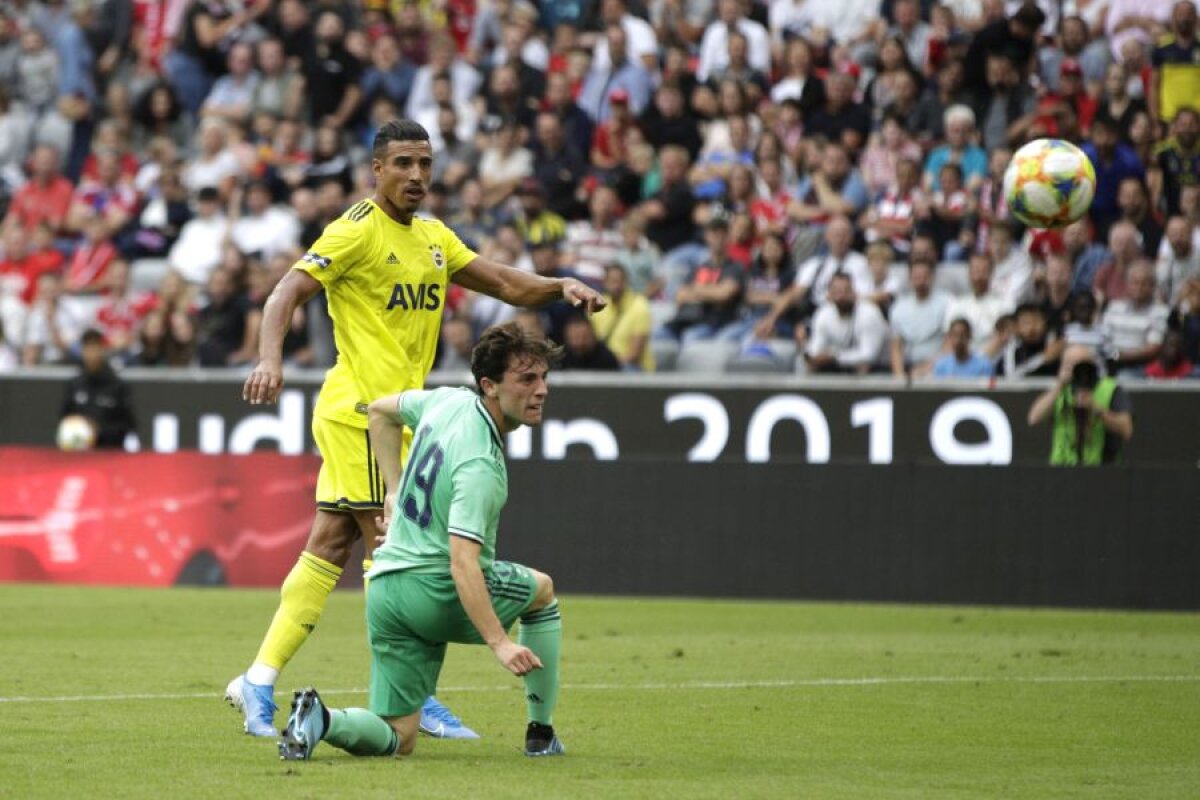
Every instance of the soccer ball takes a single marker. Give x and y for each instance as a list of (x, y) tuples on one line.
[(1049, 183), (76, 432)]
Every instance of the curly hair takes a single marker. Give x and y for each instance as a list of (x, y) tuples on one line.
[(501, 344)]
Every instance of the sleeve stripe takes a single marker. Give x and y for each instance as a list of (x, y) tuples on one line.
[(466, 535)]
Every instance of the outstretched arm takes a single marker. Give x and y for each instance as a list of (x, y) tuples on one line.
[(519, 288), (266, 380)]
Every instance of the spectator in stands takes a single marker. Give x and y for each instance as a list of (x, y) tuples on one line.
[(121, 311), (465, 80), (983, 307), (280, 86), (582, 350), (1013, 37), (1136, 324), (639, 257), (988, 204), (215, 166), (771, 274), (945, 215), (53, 325), (714, 44), (87, 268), (332, 75), (225, 325), (668, 215), (1134, 204), (1086, 257), (195, 253), (1114, 161), (917, 319), (840, 119), (1178, 260), (26, 257), (885, 284), (890, 218), (1177, 61), (959, 122), (504, 163), (1185, 317), (625, 324), (1012, 273), (1032, 347), (1176, 161), (622, 75), (161, 219), (232, 95), (711, 298), (535, 222), (46, 197), (1117, 105), (834, 188), (1055, 293), (559, 166), (1124, 250), (262, 228), (799, 82), (961, 362), (848, 335), (593, 243), (887, 148), (99, 394), (110, 199), (669, 121), (1172, 362), (1092, 416)]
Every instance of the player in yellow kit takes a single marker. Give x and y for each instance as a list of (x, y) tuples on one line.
[(385, 273)]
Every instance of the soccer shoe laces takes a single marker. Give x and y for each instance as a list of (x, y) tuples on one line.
[(439, 712)]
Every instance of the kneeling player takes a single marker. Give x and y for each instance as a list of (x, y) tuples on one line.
[(435, 579)]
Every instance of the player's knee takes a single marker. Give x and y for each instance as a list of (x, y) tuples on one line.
[(332, 537), (406, 732), (544, 595)]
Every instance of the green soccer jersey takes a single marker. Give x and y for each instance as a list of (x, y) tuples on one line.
[(455, 484)]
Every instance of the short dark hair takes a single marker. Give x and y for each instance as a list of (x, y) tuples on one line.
[(397, 130), (1029, 308), (960, 321), (499, 344), (92, 336)]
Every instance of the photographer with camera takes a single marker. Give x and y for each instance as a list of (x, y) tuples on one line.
[(1092, 415)]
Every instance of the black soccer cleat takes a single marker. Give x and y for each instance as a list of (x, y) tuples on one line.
[(541, 741)]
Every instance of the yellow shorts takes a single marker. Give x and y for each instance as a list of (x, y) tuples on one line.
[(349, 479)]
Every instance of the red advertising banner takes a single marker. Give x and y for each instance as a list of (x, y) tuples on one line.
[(150, 519)]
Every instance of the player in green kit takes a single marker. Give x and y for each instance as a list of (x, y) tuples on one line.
[(435, 579)]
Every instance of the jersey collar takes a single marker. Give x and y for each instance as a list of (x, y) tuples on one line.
[(491, 423)]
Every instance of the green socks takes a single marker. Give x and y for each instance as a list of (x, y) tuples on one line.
[(541, 632), (361, 733)]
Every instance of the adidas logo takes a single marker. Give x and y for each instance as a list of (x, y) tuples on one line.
[(391, 259)]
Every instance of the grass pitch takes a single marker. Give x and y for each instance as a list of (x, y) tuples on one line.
[(116, 693)]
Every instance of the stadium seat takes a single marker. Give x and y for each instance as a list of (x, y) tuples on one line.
[(774, 356), (145, 274), (705, 356), (666, 353)]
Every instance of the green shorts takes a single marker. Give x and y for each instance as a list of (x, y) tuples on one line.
[(410, 619)]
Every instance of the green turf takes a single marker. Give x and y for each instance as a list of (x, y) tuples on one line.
[(1001, 704)]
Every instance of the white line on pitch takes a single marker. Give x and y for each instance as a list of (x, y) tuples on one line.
[(695, 685)]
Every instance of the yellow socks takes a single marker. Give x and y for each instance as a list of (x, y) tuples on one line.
[(302, 599)]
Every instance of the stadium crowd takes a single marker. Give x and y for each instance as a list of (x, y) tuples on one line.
[(798, 185)]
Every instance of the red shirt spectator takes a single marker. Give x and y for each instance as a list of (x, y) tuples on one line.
[(46, 197), (24, 261)]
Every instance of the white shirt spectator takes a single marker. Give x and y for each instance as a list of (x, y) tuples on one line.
[(498, 167), (817, 271), (853, 340), (790, 16), (1129, 327), (981, 312), (1118, 10), (919, 324), (67, 318), (1171, 271), (1012, 278), (464, 81), (847, 20), (211, 173), (197, 251), (274, 231), (714, 47), (640, 41)]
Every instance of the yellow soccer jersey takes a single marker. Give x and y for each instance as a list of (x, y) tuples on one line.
[(385, 283)]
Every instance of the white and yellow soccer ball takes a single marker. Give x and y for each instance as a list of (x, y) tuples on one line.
[(1049, 183), (76, 432)]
